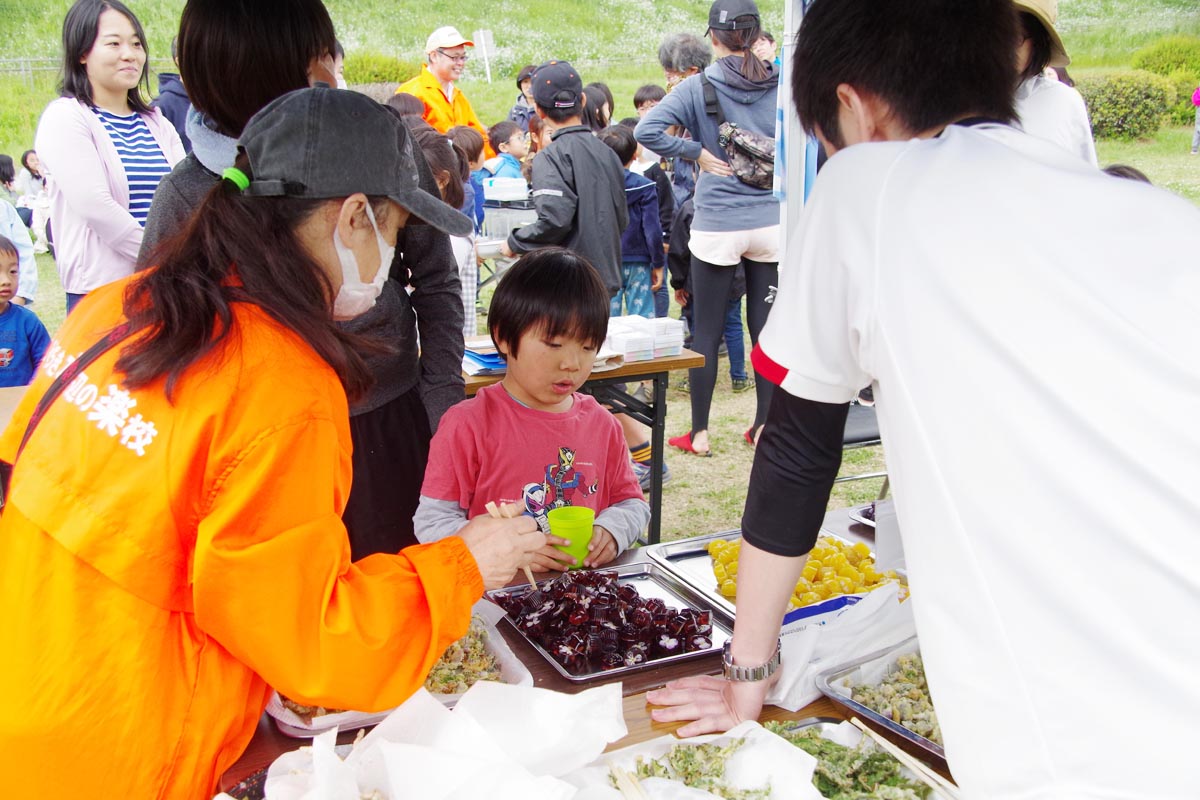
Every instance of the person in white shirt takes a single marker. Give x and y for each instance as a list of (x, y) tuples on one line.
[(1046, 107), (1049, 523)]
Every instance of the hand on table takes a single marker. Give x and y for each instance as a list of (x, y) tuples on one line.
[(714, 704), (714, 164), (500, 547), (657, 279)]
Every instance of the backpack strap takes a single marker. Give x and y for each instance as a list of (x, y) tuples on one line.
[(711, 106)]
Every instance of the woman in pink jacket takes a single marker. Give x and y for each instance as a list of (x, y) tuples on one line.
[(103, 148)]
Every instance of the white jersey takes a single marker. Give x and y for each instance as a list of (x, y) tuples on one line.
[(1031, 371), (1051, 110)]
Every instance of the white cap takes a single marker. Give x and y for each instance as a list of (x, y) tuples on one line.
[(447, 36)]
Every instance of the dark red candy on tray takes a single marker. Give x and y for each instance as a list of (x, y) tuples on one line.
[(588, 621)]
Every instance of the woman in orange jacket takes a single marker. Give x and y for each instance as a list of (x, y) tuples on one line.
[(172, 544)]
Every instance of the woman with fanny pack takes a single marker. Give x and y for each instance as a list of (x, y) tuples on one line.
[(735, 222)]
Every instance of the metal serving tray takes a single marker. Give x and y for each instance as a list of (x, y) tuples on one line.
[(689, 560), (836, 682), (651, 581)]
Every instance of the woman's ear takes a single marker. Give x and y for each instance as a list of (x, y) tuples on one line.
[(352, 219), (443, 180)]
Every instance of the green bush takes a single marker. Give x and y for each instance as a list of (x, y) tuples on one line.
[(1170, 54), (1182, 112), (377, 68), (1126, 105)]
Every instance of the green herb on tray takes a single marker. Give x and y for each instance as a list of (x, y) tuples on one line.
[(699, 766), (851, 773)]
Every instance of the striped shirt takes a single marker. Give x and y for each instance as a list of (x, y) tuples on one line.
[(144, 162)]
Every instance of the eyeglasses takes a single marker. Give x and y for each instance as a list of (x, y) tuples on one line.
[(460, 59)]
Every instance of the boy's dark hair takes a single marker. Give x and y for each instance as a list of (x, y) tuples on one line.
[(650, 93), (629, 122), (338, 50), (765, 34), (1127, 172), (7, 247), (469, 139), (682, 51), (553, 289), (1039, 46), (621, 140), (236, 58), (409, 105), (931, 61), (501, 132), (8, 170), (80, 27), (444, 157), (560, 115)]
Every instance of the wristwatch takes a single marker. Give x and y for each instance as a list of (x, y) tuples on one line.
[(739, 674)]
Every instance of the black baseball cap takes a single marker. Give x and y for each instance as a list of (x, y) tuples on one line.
[(724, 15), (556, 84), (327, 143)]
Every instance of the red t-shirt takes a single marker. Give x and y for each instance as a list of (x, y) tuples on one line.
[(492, 448)]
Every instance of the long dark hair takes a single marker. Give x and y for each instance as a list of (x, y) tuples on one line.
[(236, 56), (8, 171), (235, 248), (741, 41), (25, 163), (80, 27), (443, 156)]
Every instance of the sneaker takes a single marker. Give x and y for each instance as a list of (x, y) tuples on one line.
[(642, 473), (683, 385), (742, 384), (643, 393), (723, 350)]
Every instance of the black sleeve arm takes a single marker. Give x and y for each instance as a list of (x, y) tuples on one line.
[(797, 459)]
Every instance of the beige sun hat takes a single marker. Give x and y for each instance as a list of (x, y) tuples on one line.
[(1047, 13)]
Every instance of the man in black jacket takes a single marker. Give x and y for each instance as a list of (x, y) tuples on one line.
[(576, 179)]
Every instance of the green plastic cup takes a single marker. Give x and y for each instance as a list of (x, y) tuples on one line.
[(573, 523)]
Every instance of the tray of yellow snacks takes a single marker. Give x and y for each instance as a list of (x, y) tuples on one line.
[(837, 573)]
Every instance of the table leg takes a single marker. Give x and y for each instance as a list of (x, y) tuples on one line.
[(657, 456)]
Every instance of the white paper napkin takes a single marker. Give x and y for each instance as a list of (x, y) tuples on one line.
[(877, 621), (501, 741)]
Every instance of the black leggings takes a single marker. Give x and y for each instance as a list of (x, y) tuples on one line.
[(710, 294)]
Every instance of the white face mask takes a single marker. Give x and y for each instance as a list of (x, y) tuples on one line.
[(356, 298)]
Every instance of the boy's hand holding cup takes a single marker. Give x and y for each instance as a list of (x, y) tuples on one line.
[(574, 541)]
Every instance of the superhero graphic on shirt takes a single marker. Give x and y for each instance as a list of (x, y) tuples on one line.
[(562, 480)]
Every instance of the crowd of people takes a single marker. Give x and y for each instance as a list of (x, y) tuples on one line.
[(245, 462)]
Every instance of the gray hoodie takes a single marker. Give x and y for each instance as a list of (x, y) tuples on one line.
[(722, 203)]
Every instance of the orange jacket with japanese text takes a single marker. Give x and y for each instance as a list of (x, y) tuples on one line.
[(163, 564), (441, 113)]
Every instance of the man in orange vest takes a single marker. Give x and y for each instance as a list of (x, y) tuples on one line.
[(445, 105)]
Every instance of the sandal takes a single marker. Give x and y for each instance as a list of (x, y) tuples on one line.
[(684, 443)]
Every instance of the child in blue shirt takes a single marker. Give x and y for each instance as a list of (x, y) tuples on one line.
[(23, 337), (511, 145), (642, 255)]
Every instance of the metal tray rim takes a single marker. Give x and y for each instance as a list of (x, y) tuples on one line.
[(720, 620), (824, 683)]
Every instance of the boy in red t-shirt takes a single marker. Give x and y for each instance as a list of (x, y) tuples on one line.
[(533, 439)]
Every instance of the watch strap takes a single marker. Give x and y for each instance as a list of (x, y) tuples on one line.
[(743, 674)]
